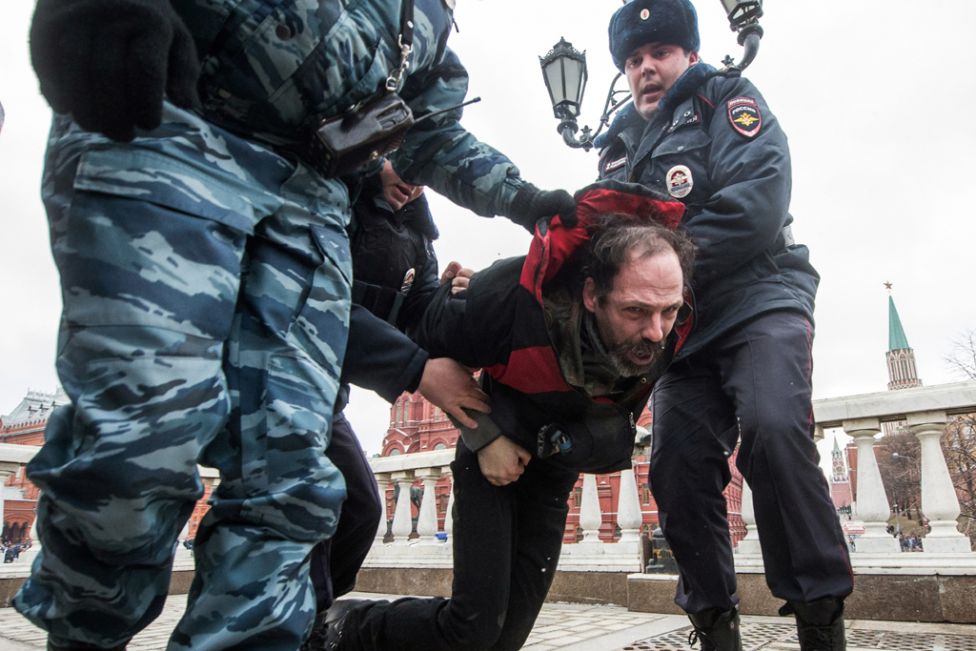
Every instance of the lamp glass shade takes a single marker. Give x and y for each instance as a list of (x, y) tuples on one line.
[(741, 12), (564, 71)]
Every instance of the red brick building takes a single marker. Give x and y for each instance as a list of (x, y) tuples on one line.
[(25, 426)]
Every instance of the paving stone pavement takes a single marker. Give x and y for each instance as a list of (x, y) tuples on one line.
[(585, 627)]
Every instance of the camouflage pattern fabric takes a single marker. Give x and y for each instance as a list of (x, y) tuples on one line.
[(206, 290), (273, 68), (205, 282)]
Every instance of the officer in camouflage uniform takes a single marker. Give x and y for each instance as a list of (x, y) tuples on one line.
[(205, 279)]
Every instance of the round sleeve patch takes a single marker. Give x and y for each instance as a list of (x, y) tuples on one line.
[(744, 116)]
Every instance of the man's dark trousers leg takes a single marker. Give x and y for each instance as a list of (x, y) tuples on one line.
[(506, 547), (336, 561), (753, 384)]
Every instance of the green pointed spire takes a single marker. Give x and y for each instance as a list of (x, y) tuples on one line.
[(896, 334)]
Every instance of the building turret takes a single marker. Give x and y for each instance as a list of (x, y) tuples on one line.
[(902, 373)]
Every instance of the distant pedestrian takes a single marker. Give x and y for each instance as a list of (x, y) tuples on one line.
[(11, 553)]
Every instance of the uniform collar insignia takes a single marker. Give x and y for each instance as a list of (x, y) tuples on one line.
[(614, 164)]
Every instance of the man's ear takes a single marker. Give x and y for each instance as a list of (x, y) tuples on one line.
[(589, 294)]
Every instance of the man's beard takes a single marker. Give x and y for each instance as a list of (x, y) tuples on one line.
[(622, 363)]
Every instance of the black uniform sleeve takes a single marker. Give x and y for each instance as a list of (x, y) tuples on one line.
[(381, 358), (475, 326), (745, 216), (486, 432)]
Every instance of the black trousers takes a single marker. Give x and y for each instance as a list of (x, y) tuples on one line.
[(754, 385), (506, 547), (336, 561)]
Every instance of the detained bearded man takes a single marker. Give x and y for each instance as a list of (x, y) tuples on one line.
[(571, 338)]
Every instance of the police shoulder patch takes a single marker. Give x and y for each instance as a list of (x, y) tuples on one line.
[(744, 116)]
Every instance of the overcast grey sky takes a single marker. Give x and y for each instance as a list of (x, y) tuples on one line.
[(875, 97)]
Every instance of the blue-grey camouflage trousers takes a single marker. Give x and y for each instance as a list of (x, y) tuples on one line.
[(205, 283)]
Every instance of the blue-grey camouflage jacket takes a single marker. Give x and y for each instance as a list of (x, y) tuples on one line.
[(272, 68)]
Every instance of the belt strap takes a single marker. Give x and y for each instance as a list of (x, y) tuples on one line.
[(381, 301)]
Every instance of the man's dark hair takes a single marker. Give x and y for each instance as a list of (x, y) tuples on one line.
[(613, 238)]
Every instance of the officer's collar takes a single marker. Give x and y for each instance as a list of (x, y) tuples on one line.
[(685, 85)]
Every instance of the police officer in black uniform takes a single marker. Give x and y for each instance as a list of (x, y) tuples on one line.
[(394, 277), (708, 139)]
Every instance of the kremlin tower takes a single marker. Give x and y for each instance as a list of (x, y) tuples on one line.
[(902, 373)]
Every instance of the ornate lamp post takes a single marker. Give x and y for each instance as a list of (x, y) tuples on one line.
[(744, 18), (564, 71)]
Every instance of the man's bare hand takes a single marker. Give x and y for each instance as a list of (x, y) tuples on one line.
[(450, 271), (450, 386), (459, 277), (503, 461)]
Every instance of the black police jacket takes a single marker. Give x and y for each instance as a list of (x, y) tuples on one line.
[(394, 277), (499, 325), (715, 146)]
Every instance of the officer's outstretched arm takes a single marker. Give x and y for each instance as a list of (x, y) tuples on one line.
[(451, 387), (440, 153)]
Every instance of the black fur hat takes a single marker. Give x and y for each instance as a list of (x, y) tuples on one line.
[(639, 22)]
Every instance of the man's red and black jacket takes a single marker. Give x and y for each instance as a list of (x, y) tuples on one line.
[(499, 325)]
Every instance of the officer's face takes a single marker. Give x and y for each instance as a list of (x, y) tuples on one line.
[(637, 315), (651, 70)]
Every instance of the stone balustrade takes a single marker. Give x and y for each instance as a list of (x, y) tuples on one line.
[(404, 545), (925, 411)]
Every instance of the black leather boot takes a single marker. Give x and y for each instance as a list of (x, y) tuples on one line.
[(326, 632), (717, 630), (819, 624)]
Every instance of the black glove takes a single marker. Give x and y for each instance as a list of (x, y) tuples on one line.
[(108, 62), (532, 204)]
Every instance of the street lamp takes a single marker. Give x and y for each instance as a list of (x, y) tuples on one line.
[(564, 71), (744, 18)]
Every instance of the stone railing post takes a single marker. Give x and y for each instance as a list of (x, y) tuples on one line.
[(7, 470), (628, 508), (590, 518), (449, 516), (939, 502), (872, 503), (427, 518), (402, 520), (382, 482), (750, 543)]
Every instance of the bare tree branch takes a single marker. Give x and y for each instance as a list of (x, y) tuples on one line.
[(963, 357)]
